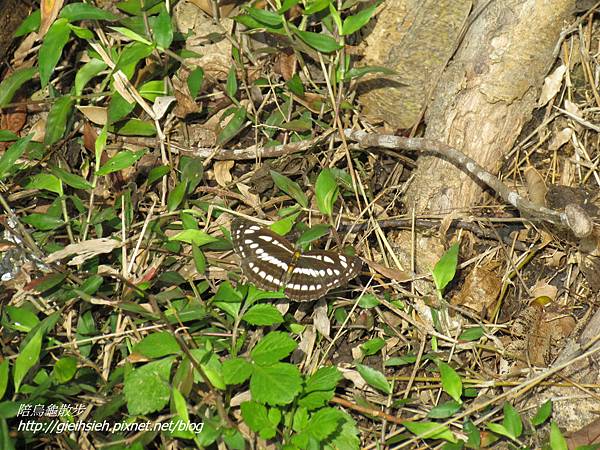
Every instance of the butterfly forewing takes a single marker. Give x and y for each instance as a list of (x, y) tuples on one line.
[(265, 256), (317, 272)]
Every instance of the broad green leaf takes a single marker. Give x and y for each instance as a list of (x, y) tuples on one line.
[(401, 360), (27, 358), (135, 127), (45, 181), (557, 440), (265, 17), (451, 382), (298, 125), (120, 161), (316, 6), (197, 237), (472, 334), (324, 423), (233, 127), (157, 173), (318, 41), (312, 234), (231, 86), (324, 379), (147, 388), (290, 187), (430, 430), (4, 373), (52, 47), (542, 414), (13, 82), (276, 384), (47, 282), (445, 269), (194, 81), (157, 345), (512, 421), (255, 294), (374, 378), (236, 370), (131, 35), (358, 20), (137, 8), (82, 32), (263, 315), (212, 367), (64, 369), (84, 11), (131, 55), (56, 123), (152, 89), (163, 29), (199, 259), (368, 301), (176, 196), (327, 191), (256, 417), (295, 85), (88, 71), (192, 170), (372, 346), (7, 136), (31, 23), (272, 348), (118, 108), (286, 5), (43, 222), (499, 429), (71, 179)]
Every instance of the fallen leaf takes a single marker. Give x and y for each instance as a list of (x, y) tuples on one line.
[(536, 187), (221, 170), (95, 114), (552, 85), (479, 291), (49, 13), (84, 250), (393, 274)]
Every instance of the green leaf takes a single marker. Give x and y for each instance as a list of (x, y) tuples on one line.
[(135, 127), (255, 294), (157, 173), (557, 440), (359, 72), (290, 187), (445, 269), (324, 423), (120, 161), (401, 360), (48, 282), (358, 20), (263, 315), (199, 259), (233, 127), (542, 414), (327, 191), (176, 196), (444, 410), (430, 430), (31, 23), (298, 125), (88, 71), (157, 345), (45, 181), (312, 234), (316, 6), (118, 108), (3, 377), (232, 85), (368, 301), (256, 417), (372, 346), (56, 123), (451, 382), (295, 85), (196, 237), (272, 348), (147, 388), (265, 17), (512, 421), (236, 370), (43, 222), (27, 358), (64, 369), (82, 32), (131, 35), (71, 179), (13, 82), (152, 89), (131, 55), (212, 367), (324, 379), (499, 429), (194, 81), (278, 384), (374, 378), (472, 334), (192, 170), (84, 11), (163, 29), (7, 136), (318, 41), (52, 47)]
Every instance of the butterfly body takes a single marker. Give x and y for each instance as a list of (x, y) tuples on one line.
[(272, 263)]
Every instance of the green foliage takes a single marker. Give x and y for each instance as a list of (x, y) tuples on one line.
[(327, 191), (445, 269)]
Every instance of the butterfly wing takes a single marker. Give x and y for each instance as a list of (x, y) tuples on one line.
[(316, 272), (264, 256)]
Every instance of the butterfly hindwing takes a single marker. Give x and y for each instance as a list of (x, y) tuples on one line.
[(264, 255), (317, 272)]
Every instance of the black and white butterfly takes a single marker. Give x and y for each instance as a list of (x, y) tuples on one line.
[(271, 263)]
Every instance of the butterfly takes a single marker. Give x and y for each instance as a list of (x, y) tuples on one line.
[(272, 263)]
